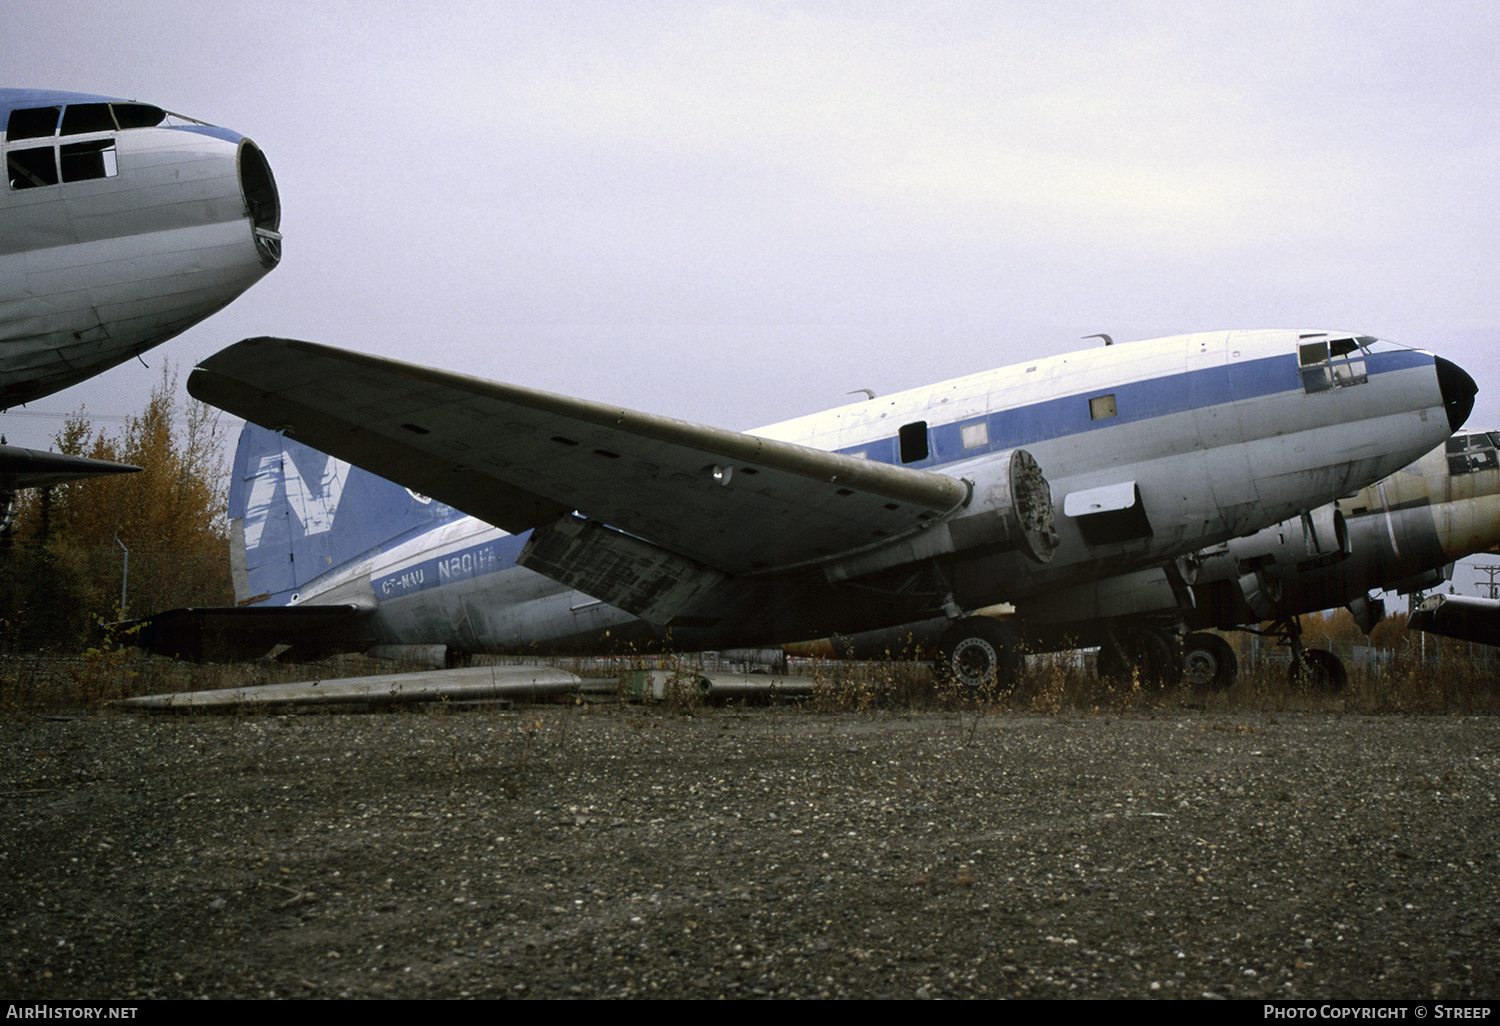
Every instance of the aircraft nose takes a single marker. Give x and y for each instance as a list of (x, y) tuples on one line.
[(262, 201), (1458, 391)]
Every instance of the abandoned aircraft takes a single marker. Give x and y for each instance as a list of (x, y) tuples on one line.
[(1395, 535), (592, 529), (121, 225), (1402, 534)]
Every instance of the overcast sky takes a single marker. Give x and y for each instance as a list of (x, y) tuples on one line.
[(737, 213)]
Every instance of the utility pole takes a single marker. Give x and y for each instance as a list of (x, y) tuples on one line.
[(1492, 571)]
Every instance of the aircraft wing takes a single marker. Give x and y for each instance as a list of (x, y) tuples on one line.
[(520, 458), (32, 468), (1465, 617)]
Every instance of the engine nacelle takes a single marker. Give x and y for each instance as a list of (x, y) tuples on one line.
[(1325, 534), (1319, 537), (1011, 511)]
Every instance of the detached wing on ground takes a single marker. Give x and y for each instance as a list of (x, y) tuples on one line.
[(520, 459)]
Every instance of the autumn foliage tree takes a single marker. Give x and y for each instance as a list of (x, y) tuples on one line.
[(159, 533)]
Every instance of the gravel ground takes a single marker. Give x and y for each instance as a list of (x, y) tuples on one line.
[(569, 851)]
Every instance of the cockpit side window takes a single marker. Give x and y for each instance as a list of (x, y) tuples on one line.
[(84, 160), (1331, 363), (32, 123), (35, 166), (1470, 453), (29, 169)]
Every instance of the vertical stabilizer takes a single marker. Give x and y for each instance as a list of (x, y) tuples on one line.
[(295, 514)]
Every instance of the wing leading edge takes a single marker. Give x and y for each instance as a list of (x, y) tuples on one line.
[(32, 468), (520, 458)]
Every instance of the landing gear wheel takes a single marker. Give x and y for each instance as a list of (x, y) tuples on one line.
[(1209, 662), (1318, 670), (1140, 654), (979, 652)]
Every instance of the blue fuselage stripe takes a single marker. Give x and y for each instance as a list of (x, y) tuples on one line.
[(487, 557), (1136, 401)]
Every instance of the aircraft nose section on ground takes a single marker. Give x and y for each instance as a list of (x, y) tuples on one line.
[(262, 201), (1458, 391)]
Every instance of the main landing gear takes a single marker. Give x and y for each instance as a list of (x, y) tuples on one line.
[(1209, 662), (979, 652), (1138, 654)]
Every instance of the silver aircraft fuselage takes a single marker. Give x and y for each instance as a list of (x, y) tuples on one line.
[(121, 225)]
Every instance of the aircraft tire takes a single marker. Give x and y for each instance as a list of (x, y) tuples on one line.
[(979, 652), (1318, 670), (1209, 662), (1139, 654)]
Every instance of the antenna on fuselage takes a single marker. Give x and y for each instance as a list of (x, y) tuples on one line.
[(1107, 340), (867, 391)]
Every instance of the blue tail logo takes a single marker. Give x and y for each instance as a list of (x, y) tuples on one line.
[(295, 514)]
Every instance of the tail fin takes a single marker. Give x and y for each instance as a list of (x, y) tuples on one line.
[(296, 513)]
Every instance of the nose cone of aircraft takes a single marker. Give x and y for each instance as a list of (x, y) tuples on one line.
[(1458, 391)]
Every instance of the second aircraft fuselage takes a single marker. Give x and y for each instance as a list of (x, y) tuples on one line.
[(121, 225)]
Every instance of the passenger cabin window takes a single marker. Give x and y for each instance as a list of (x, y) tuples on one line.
[(1470, 453), (1102, 407), (974, 436), (914, 442), (1331, 363)]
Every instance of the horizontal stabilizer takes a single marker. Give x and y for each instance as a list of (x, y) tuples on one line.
[(32, 468), (231, 634)]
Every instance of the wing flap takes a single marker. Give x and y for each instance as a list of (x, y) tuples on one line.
[(625, 572), (520, 458)]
